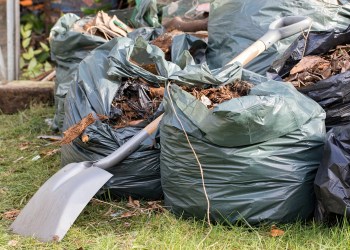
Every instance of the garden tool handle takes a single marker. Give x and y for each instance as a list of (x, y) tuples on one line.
[(129, 147), (279, 29)]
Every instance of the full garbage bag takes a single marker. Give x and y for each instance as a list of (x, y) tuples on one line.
[(68, 49), (99, 77), (234, 25), (333, 93), (259, 153), (332, 179)]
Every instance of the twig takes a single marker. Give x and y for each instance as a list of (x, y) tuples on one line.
[(107, 203), (50, 76), (306, 37)]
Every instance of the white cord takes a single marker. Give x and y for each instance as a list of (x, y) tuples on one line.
[(198, 162)]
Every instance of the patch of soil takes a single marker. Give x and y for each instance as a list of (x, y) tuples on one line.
[(211, 97), (312, 69), (134, 102)]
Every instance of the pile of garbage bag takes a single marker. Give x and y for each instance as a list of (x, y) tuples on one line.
[(259, 147)]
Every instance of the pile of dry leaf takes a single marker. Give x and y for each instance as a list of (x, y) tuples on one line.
[(135, 102), (213, 96), (104, 25), (313, 68)]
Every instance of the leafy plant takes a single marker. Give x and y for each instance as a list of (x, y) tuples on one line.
[(34, 60), (92, 11)]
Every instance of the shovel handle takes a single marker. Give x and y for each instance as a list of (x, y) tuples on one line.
[(129, 147), (279, 29)]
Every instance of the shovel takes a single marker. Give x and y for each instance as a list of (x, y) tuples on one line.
[(55, 206)]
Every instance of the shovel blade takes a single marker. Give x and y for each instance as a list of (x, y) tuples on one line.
[(55, 206)]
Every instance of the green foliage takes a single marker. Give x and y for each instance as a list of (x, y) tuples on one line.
[(35, 56), (37, 22), (93, 11)]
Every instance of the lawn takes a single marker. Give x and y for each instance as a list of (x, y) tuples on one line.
[(22, 172)]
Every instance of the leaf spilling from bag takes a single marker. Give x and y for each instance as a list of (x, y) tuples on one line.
[(142, 208), (134, 102), (12, 214), (104, 26), (73, 132), (275, 232), (48, 153), (313, 68), (211, 97), (165, 41)]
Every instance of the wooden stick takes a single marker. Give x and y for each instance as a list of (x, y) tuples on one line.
[(50, 76)]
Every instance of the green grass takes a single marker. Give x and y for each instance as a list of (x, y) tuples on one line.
[(20, 177)]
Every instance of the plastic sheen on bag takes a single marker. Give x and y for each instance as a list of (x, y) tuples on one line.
[(93, 92), (234, 25), (259, 154), (332, 179), (68, 48), (333, 93)]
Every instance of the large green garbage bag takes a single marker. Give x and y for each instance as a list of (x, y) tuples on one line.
[(96, 84), (68, 48), (236, 24), (259, 153)]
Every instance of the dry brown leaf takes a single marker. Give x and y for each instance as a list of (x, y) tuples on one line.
[(24, 146), (85, 138), (165, 41), (312, 69), (156, 92), (134, 103), (150, 67), (127, 214), (109, 212), (12, 214), (306, 63), (49, 152), (55, 238), (218, 95), (102, 117), (133, 203), (12, 243), (276, 232)]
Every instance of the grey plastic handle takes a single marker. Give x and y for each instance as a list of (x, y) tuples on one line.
[(279, 29), (285, 27), (129, 147)]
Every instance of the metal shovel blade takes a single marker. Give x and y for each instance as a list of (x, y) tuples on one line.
[(55, 206)]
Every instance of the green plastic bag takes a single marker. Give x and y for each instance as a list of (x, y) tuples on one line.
[(68, 49), (236, 24), (259, 154), (145, 14)]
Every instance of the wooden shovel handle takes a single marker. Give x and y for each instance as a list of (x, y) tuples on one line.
[(152, 127)]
